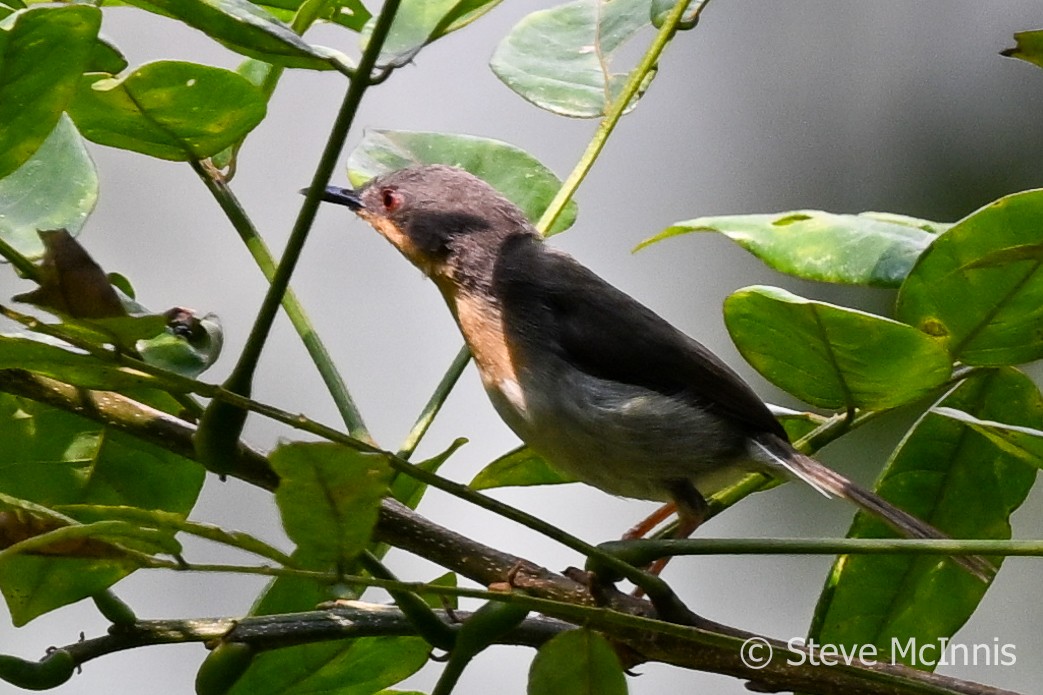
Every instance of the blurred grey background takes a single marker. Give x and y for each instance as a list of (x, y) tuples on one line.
[(899, 106)]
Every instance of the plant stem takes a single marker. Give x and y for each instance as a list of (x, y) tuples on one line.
[(434, 404), (615, 111), (262, 256)]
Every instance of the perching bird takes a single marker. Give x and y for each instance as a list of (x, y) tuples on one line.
[(599, 385)]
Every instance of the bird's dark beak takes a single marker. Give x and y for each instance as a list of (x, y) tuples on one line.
[(343, 196)]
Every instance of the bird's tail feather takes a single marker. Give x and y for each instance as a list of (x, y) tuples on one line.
[(832, 484)]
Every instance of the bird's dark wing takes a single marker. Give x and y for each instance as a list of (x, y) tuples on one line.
[(608, 334)]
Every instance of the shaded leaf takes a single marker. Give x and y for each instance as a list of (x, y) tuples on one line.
[(53, 458), (830, 356), (577, 662), (351, 14), (865, 249), (953, 478), (558, 59), (43, 51), (420, 22), (56, 188), (349, 667), (1028, 46), (246, 28), (512, 171), (979, 286), (106, 57), (168, 109), (328, 497), (521, 466)]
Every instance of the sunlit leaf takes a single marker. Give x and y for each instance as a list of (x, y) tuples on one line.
[(43, 51), (831, 356), (168, 109), (865, 249)]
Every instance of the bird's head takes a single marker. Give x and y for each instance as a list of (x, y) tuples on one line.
[(446, 221)]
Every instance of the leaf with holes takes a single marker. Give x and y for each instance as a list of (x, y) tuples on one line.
[(830, 356)]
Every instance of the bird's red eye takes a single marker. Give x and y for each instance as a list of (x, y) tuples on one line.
[(390, 199)]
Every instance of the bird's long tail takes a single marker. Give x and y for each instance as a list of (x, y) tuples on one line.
[(832, 484)]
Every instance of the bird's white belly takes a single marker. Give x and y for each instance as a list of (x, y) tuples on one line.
[(623, 439)]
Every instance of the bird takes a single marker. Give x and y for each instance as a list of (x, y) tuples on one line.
[(595, 382)]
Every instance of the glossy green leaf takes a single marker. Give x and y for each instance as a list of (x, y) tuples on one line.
[(350, 667), (830, 356), (43, 52), (55, 189), (1028, 46), (328, 497), (1025, 443), (513, 172), (866, 249), (955, 479), (54, 458), (559, 59), (518, 467), (979, 286), (168, 109), (246, 28), (577, 662), (420, 22), (106, 57)]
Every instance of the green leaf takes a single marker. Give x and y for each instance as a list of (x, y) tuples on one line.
[(1028, 47), (168, 109), (329, 496), (955, 479), (43, 51), (577, 662), (979, 286), (865, 249), (521, 466), (245, 28), (56, 188), (70, 367), (558, 59), (830, 356), (351, 14), (420, 22), (188, 346), (510, 170), (350, 667), (54, 458), (409, 491), (1025, 443), (106, 57), (799, 424)]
